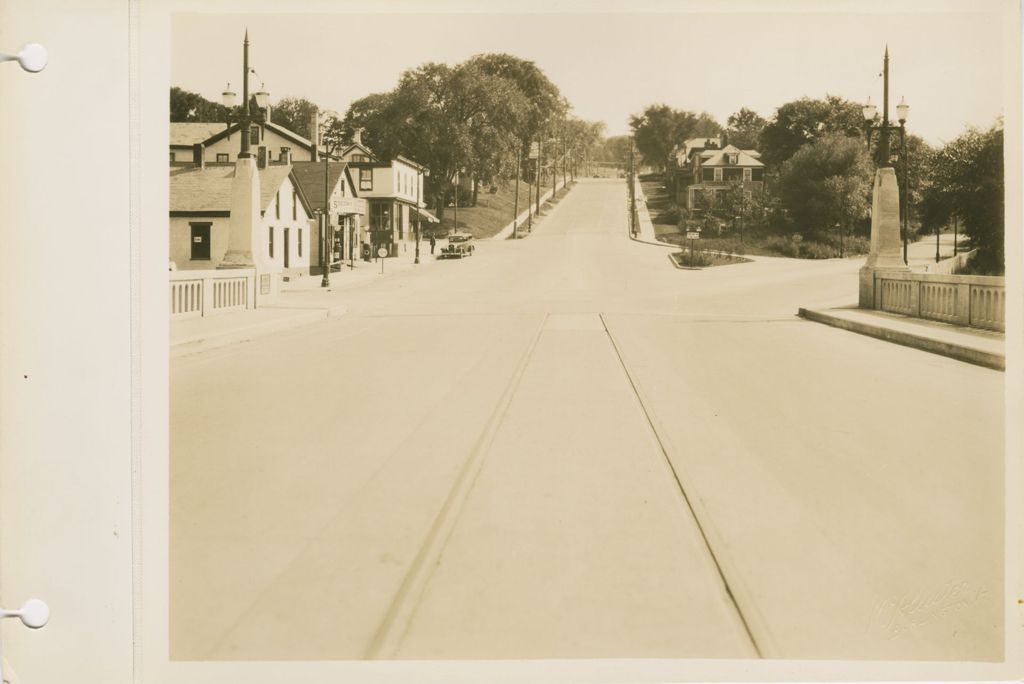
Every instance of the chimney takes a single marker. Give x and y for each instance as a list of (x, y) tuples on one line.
[(286, 155), (357, 136), (197, 156), (314, 135), (261, 157)]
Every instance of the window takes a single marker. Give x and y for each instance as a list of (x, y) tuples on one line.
[(380, 219), (254, 135), (222, 157), (707, 174), (366, 179), (399, 219), (300, 242), (270, 242), (277, 207), (172, 157), (732, 174), (718, 174), (341, 187), (757, 174), (200, 241), (295, 206), (284, 153), (746, 174)]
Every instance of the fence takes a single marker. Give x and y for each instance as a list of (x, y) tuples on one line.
[(976, 301), (951, 265), (206, 293)]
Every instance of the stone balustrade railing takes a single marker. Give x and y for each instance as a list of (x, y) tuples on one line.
[(976, 301), (210, 292)]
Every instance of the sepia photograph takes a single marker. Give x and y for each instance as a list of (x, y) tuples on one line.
[(503, 336), (511, 341)]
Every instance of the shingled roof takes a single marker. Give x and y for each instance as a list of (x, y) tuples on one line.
[(718, 157), (209, 189), (310, 177), (190, 133)]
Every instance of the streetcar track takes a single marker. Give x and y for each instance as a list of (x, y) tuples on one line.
[(391, 631), (682, 489)]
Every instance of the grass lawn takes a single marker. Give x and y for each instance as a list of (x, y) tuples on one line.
[(660, 206), (491, 213)]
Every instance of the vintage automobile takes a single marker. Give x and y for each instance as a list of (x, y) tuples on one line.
[(459, 245)]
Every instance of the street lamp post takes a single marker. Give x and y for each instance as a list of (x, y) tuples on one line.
[(419, 184), (246, 117), (870, 111)]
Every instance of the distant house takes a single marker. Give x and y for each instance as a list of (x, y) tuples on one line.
[(346, 212), (704, 168), (200, 212), (219, 143), (393, 191)]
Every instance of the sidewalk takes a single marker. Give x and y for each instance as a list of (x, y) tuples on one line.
[(646, 232), (301, 301), (972, 345)]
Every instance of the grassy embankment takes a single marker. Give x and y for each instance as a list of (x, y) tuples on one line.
[(494, 211)]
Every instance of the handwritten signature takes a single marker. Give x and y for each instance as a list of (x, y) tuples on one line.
[(891, 618)]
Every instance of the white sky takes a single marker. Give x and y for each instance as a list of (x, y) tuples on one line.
[(949, 66)]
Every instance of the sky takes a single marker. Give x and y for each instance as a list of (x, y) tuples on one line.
[(948, 65)]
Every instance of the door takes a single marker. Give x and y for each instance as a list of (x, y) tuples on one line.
[(287, 247), (200, 242)]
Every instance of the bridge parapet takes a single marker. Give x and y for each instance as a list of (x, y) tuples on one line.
[(975, 301)]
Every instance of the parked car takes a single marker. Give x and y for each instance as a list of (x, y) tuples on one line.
[(459, 245)]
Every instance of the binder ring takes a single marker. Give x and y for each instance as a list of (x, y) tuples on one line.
[(32, 57)]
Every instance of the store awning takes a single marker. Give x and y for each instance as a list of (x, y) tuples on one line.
[(426, 215)]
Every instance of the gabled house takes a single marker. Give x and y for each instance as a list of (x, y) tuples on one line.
[(200, 215), (680, 164), (714, 170), (393, 191), (219, 143), (332, 191)]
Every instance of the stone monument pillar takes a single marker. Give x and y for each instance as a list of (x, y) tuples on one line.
[(245, 215), (886, 244)]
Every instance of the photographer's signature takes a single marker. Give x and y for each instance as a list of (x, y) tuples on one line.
[(894, 617)]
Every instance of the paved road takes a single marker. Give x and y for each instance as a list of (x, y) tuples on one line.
[(565, 447)]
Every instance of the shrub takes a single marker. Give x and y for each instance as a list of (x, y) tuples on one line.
[(695, 260), (817, 250)]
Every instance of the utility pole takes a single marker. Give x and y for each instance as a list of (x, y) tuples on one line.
[(540, 165), (632, 190), (515, 204)]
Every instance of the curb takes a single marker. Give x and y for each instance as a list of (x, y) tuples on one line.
[(977, 357), (251, 332)]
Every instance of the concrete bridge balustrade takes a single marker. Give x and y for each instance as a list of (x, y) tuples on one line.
[(206, 293)]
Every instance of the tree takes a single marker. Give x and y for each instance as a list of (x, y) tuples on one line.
[(451, 119), (802, 121), (189, 106), (294, 113), (966, 181), (744, 129), (659, 128), (818, 184)]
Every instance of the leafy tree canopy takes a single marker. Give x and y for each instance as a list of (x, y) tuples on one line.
[(188, 106), (659, 128), (824, 182), (744, 129), (966, 182), (802, 121)]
